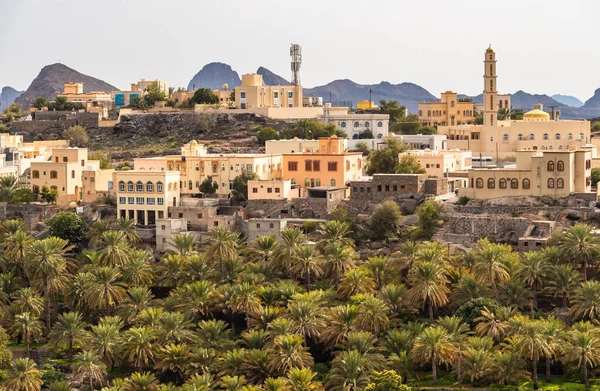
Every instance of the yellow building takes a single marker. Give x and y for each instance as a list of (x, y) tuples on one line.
[(543, 173), (253, 93), (96, 183), (195, 165), (63, 173), (146, 195), (366, 105), (275, 189), (448, 111), (536, 132), (439, 163), (223, 95), (74, 93), (291, 146), (330, 166), (141, 85)]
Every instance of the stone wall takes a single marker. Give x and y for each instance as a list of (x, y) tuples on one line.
[(267, 208), (436, 186), (467, 229)]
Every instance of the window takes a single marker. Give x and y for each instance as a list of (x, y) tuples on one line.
[(492, 120), (159, 186), (139, 200), (347, 165), (356, 124), (514, 183), (53, 174), (332, 182), (82, 162), (532, 136), (526, 183), (150, 187), (308, 165), (557, 136), (149, 201), (581, 136), (277, 190), (343, 124), (271, 225), (560, 165), (290, 94), (243, 95), (254, 190), (35, 174), (293, 166), (545, 136), (139, 187), (316, 165), (491, 183), (505, 137), (451, 103), (367, 124), (242, 105), (121, 186), (479, 183), (550, 165), (379, 124), (560, 183), (332, 166), (73, 174), (550, 183), (215, 223), (520, 137), (122, 200), (317, 182), (570, 136), (269, 189), (160, 201), (130, 200)]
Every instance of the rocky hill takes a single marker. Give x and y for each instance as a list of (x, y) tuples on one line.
[(567, 100), (8, 96), (270, 78), (213, 76), (50, 81)]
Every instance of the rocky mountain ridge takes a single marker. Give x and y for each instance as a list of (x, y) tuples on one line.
[(8, 96)]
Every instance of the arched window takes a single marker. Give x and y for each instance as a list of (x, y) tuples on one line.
[(526, 183), (139, 186), (505, 137), (129, 186), (367, 124), (502, 183), (491, 183), (492, 119), (317, 182), (581, 136), (356, 124), (159, 186), (293, 181), (36, 189), (570, 136), (520, 137), (380, 136), (545, 137), (560, 165), (550, 165), (190, 185), (307, 182), (180, 185), (491, 102), (197, 184), (53, 174), (54, 188), (479, 183), (560, 183), (332, 182), (308, 165), (451, 103), (532, 136), (35, 174), (557, 136), (347, 165), (170, 186), (550, 183), (343, 124), (355, 136), (514, 183), (491, 67), (491, 85), (121, 186), (379, 124), (72, 173)]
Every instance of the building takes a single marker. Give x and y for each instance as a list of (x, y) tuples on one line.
[(536, 132), (96, 183), (264, 227), (224, 96), (366, 105), (253, 93), (74, 93), (145, 196), (124, 98), (141, 85), (357, 125), (503, 103), (330, 166), (273, 189), (537, 173), (440, 163), (450, 110), (63, 173), (275, 147), (424, 141)]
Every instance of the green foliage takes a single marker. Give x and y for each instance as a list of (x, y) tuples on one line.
[(386, 381), (48, 195), (137, 102), (309, 226), (311, 129), (208, 186), (51, 374), (13, 191), (153, 94), (239, 188), (362, 146), (366, 134), (204, 96), (595, 174), (69, 226), (264, 134), (472, 309), (408, 164), (105, 159), (427, 130), (595, 127), (385, 160), (462, 201), (40, 102), (430, 213), (77, 136), (393, 109), (385, 220)]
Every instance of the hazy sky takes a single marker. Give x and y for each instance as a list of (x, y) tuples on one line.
[(542, 46)]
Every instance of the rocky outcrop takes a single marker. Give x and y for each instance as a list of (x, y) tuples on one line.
[(213, 76), (50, 81), (270, 78), (8, 96)]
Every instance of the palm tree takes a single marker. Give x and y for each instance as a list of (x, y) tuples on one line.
[(105, 291), (478, 363), (458, 330), (290, 239), (195, 298), (9, 188), (175, 358), (489, 325), (105, 340), (222, 244), (138, 346), (97, 228), (536, 269), (89, 366), (175, 328), (214, 334), (586, 301), (307, 263), (263, 316), (288, 353), (382, 270), (532, 345), (428, 285), (69, 331), (579, 244), (127, 226), (356, 281), (303, 379), (508, 368), (350, 371), (491, 263), (23, 375), (433, 345), (142, 381), (233, 383), (245, 299), (339, 258), (394, 295), (138, 298), (29, 328), (563, 282), (583, 348), (27, 300), (17, 247), (262, 249), (47, 268), (138, 271), (334, 231), (77, 291), (114, 250), (373, 314), (466, 289), (554, 333), (306, 315), (183, 244)]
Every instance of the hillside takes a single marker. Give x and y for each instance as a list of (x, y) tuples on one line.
[(50, 81), (270, 78), (213, 76), (8, 96), (567, 100)]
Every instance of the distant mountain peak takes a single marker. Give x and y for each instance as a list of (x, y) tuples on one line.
[(270, 78), (213, 75), (8, 96), (568, 100)]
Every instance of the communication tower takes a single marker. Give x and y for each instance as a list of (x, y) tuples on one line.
[(296, 54)]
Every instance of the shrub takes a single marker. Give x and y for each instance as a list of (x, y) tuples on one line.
[(472, 309), (462, 201)]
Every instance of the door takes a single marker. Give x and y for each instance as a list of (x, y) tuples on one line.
[(141, 217), (151, 217)]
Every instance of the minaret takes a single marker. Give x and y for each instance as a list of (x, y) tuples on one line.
[(490, 92)]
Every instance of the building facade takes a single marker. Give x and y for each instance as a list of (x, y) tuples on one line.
[(253, 93), (275, 189), (276, 147), (440, 163), (448, 111), (74, 93)]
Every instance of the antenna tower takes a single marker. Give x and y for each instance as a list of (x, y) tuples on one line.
[(296, 55)]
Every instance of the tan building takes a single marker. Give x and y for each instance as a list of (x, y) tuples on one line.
[(96, 183), (141, 85), (503, 103), (355, 125), (74, 93), (276, 189), (145, 196), (63, 173), (542, 173), (536, 132), (448, 111), (253, 93), (331, 166), (438, 163), (275, 147)]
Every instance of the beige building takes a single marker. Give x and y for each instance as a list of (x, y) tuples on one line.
[(542, 173), (503, 103), (355, 125), (74, 93), (253, 93), (448, 111), (438, 163), (96, 183), (145, 196), (141, 85), (536, 132), (276, 189), (275, 147)]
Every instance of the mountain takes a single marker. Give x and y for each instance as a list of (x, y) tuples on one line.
[(213, 76), (270, 78), (50, 81), (567, 100), (346, 91), (594, 101), (525, 101), (8, 96)]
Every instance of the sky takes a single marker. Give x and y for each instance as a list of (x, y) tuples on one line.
[(542, 46)]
